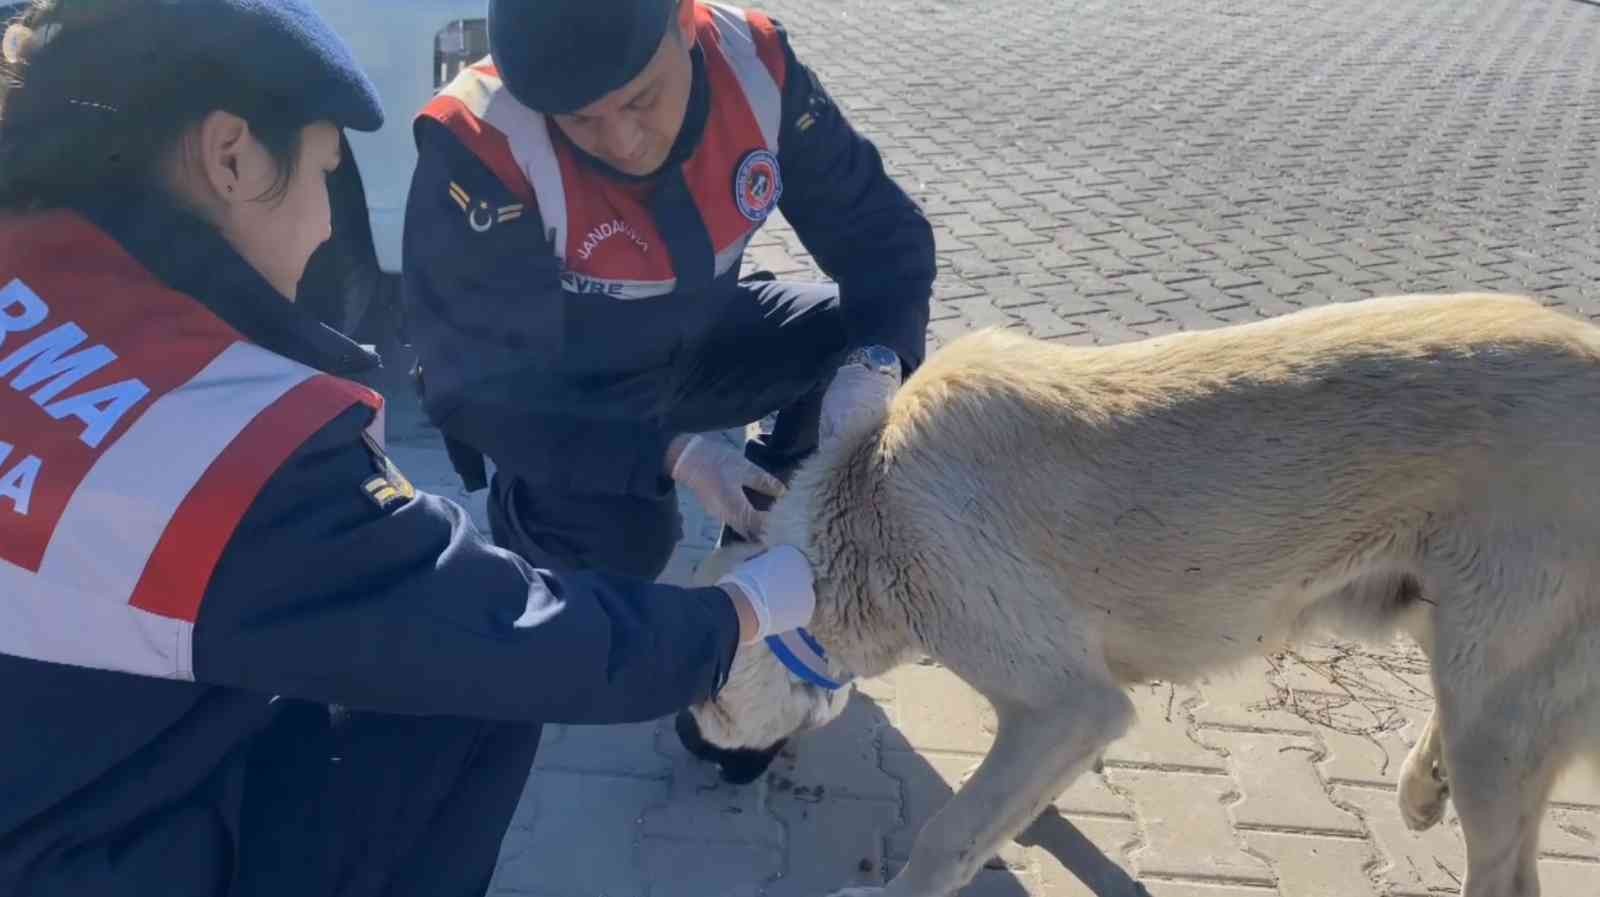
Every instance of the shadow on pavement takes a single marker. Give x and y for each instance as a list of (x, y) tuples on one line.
[(864, 743), (1057, 836)]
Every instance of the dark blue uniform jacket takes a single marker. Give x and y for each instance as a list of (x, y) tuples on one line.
[(573, 391), (322, 596)]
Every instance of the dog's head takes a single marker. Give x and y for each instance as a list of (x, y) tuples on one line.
[(761, 706)]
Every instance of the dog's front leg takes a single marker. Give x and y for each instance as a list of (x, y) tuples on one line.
[(1037, 752)]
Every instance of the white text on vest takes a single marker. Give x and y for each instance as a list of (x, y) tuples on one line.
[(47, 365), (17, 483), (607, 230)]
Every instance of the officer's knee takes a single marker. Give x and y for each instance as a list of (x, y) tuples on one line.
[(627, 535)]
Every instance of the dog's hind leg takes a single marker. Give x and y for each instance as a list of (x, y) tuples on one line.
[(1503, 709), (1373, 608), (1424, 788), (1500, 780), (1037, 751)]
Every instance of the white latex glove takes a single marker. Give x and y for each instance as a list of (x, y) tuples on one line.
[(778, 585), (857, 398), (717, 474)]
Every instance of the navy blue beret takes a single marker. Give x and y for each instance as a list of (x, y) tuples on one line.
[(561, 55), (285, 48)]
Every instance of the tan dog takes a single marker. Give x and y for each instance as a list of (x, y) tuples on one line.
[(1054, 524)]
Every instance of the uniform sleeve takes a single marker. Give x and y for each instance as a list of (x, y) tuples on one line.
[(860, 226), (324, 595), (485, 310)]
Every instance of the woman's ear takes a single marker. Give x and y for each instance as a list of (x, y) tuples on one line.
[(224, 150)]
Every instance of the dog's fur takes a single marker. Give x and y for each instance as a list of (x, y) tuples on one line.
[(1055, 523)]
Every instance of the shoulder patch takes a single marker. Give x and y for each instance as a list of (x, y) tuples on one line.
[(480, 214), (757, 185), (388, 488)]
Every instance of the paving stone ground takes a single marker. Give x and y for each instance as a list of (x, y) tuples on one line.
[(1098, 172)]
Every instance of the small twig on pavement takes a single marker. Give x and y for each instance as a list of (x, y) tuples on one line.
[(1446, 870)]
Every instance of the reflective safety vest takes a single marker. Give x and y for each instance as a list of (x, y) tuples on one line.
[(136, 429), (604, 234)]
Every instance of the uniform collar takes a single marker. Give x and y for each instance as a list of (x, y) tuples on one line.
[(190, 257), (694, 127)]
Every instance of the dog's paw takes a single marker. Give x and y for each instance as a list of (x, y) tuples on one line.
[(1422, 794)]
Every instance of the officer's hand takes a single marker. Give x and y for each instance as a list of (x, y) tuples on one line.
[(857, 398), (717, 474), (776, 586)]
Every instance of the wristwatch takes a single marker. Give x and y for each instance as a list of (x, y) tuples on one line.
[(880, 359)]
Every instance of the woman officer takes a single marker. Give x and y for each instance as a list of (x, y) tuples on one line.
[(240, 654)]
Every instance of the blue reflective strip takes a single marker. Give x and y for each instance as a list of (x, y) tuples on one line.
[(811, 643), (805, 673)]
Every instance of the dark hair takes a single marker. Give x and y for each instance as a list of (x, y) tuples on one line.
[(102, 94)]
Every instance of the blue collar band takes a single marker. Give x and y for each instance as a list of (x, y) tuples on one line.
[(804, 657)]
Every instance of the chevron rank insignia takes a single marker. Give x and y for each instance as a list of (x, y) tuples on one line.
[(388, 488), (480, 215)]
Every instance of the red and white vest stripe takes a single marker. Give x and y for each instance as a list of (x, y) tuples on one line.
[(603, 233), (136, 429)]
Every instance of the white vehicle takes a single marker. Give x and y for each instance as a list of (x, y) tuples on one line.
[(410, 49)]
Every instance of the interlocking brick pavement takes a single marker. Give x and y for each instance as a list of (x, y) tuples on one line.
[(1108, 170)]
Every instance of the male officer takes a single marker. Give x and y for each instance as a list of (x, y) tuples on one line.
[(578, 216)]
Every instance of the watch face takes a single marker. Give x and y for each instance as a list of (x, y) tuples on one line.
[(881, 357)]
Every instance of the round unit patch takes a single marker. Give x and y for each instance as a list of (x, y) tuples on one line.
[(757, 186)]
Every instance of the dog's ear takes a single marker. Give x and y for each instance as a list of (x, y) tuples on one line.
[(689, 736), (740, 767), (745, 766)]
